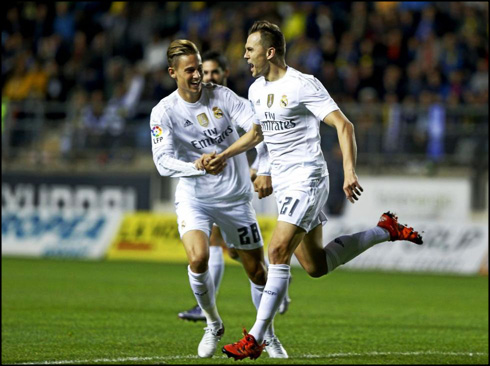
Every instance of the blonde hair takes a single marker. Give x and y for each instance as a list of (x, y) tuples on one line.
[(180, 47)]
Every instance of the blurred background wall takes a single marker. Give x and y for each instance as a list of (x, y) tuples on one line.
[(79, 80)]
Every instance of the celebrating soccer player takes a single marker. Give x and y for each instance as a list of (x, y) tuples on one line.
[(187, 127), (215, 70), (290, 105)]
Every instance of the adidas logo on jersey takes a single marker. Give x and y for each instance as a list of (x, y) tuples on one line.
[(187, 123), (257, 102)]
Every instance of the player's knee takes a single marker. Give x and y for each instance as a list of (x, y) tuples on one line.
[(233, 254), (316, 271), (259, 275), (279, 255), (199, 263)]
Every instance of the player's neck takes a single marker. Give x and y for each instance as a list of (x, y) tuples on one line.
[(189, 97), (276, 72)]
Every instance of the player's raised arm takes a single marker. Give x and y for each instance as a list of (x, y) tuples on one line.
[(347, 141), (249, 140)]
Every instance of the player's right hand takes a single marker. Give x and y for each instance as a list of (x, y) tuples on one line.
[(214, 164), (352, 188), (203, 160), (263, 185)]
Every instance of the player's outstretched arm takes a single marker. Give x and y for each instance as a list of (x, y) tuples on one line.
[(347, 141), (249, 140)]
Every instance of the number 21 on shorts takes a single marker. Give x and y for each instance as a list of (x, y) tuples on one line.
[(287, 206)]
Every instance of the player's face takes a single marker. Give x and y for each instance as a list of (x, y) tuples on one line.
[(256, 55), (212, 72), (187, 71)]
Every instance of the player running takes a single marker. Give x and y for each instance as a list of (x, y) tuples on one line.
[(187, 127), (215, 69), (290, 105)]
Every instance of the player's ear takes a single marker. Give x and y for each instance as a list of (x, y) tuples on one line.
[(271, 52), (171, 72)]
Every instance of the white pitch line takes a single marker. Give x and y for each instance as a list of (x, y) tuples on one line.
[(330, 355), (417, 353)]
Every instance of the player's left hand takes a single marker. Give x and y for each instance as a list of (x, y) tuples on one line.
[(214, 164), (263, 185), (199, 163), (352, 188), (253, 174)]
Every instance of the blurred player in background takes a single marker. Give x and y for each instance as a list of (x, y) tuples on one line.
[(290, 105), (187, 127), (215, 70)]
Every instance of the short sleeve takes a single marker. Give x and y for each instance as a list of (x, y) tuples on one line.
[(241, 110), (316, 98)]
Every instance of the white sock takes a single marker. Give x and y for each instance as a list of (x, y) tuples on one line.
[(257, 291), (203, 288), (269, 333), (345, 248), (216, 266), (274, 291)]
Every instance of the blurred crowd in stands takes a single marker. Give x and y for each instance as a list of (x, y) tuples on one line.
[(102, 60)]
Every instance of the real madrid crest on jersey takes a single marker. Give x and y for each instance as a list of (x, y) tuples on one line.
[(284, 101), (270, 100), (218, 113), (203, 119)]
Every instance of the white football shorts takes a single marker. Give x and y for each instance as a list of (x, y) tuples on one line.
[(302, 203), (237, 221)]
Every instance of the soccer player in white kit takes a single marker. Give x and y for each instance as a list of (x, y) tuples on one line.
[(215, 69), (290, 105), (188, 127)]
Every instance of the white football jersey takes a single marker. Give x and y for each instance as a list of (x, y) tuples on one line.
[(182, 132), (290, 110)]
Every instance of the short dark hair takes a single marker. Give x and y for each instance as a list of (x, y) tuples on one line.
[(180, 47), (216, 56), (270, 36)]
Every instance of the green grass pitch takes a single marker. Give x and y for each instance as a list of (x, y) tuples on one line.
[(110, 312)]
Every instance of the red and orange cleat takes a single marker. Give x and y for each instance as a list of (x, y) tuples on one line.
[(245, 347), (389, 221)]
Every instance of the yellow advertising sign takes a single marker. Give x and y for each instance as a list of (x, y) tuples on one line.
[(155, 237)]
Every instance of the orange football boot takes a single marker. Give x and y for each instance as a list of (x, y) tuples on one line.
[(245, 347), (389, 221)]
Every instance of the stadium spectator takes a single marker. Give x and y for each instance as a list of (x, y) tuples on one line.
[(17, 86), (81, 38), (64, 21), (153, 52)]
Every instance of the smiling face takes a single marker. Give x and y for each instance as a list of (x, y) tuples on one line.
[(256, 55), (187, 71), (212, 72)]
